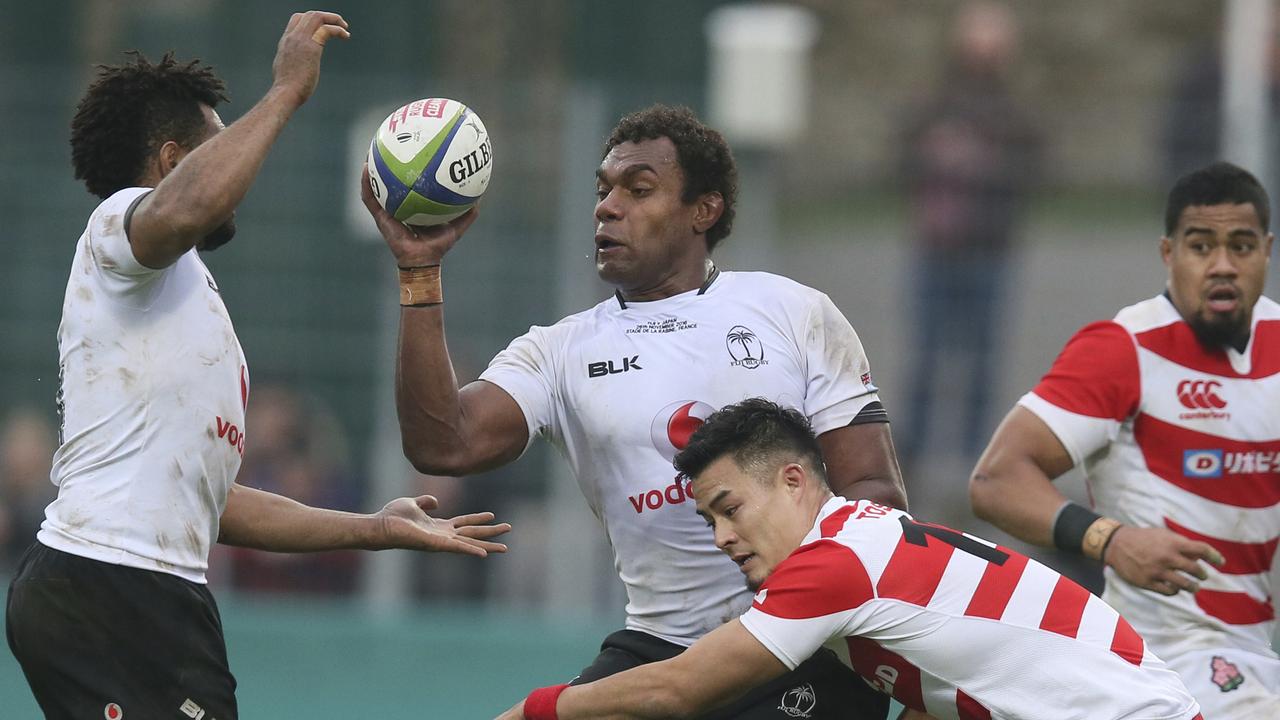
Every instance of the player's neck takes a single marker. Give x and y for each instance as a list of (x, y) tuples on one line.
[(693, 277)]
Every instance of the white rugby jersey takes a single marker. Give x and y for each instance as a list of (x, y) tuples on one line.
[(154, 387), (955, 626), (1176, 435), (619, 389)]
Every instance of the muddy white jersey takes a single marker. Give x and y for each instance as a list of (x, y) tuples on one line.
[(153, 393), (619, 388), (955, 626), (1178, 435)]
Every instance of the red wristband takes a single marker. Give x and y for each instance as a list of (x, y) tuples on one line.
[(541, 703)]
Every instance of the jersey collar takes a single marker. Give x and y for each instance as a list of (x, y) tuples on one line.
[(711, 277)]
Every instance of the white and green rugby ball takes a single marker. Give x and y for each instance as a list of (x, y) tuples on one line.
[(430, 161)]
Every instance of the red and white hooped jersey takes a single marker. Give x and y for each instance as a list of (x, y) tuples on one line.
[(956, 626), (1174, 434)]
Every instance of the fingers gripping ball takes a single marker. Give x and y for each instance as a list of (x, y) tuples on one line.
[(430, 161)]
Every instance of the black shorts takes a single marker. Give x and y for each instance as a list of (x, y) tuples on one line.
[(821, 688), (97, 640)]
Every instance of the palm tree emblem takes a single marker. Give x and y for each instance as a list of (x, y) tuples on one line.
[(798, 702), (744, 347)]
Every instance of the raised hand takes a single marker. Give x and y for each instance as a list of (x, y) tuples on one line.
[(414, 246), (1159, 560), (297, 64), (406, 524)]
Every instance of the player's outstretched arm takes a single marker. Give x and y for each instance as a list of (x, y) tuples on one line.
[(862, 464), (199, 193), (721, 666), (266, 521), (444, 430)]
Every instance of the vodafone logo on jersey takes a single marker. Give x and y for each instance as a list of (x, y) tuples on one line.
[(675, 424), (670, 431)]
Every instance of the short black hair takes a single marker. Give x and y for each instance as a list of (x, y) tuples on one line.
[(757, 433), (703, 154), (130, 110), (1216, 184)]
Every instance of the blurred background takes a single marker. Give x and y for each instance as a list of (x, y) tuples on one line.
[(969, 182)]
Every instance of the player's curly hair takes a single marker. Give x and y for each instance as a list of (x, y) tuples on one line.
[(131, 110), (703, 154), (758, 434), (1216, 184)]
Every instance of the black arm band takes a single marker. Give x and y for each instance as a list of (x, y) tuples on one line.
[(1070, 525)]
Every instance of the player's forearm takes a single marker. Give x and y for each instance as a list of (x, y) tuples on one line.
[(427, 397), (206, 187), (645, 692), (266, 521), (1016, 496)]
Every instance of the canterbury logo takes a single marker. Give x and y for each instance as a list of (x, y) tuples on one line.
[(1201, 394)]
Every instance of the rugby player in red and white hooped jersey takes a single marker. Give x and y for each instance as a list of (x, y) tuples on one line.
[(1171, 409), (949, 624)]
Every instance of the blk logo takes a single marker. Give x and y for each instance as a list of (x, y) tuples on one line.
[(602, 368), (1201, 395), (744, 347), (1202, 463), (675, 424)]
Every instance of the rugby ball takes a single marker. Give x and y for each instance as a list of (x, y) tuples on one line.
[(430, 161)]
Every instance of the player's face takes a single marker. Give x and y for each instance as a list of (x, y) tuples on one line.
[(222, 234), (757, 521), (1217, 260), (645, 241)]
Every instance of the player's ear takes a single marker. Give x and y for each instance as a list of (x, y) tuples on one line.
[(168, 157), (1166, 249), (709, 208), (794, 476)]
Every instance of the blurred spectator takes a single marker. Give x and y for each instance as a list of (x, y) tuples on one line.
[(970, 159), (296, 448), (26, 454), (1193, 122)]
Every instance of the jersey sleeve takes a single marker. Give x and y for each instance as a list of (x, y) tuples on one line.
[(839, 389), (809, 599), (109, 240), (525, 370), (1092, 388)]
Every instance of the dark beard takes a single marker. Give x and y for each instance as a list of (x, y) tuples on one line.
[(220, 236), (1233, 332)]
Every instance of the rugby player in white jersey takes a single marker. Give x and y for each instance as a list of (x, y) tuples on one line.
[(952, 626), (109, 614), (1173, 411), (618, 388)]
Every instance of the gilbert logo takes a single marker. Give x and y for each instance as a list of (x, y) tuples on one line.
[(745, 348), (112, 712)]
